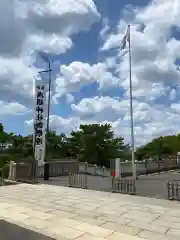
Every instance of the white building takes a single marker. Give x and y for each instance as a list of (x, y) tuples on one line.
[(5, 146)]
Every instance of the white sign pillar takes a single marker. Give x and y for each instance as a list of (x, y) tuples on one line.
[(40, 122)]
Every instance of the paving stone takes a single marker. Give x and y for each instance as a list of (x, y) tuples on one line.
[(173, 233), (134, 214), (152, 209), (167, 223), (120, 220), (112, 212), (90, 220), (65, 222), (15, 216), (150, 227), (89, 237), (19, 209), (63, 231), (172, 219), (120, 228), (57, 237), (88, 213), (37, 223), (59, 213), (94, 230), (84, 206), (39, 215), (152, 235), (4, 205), (122, 236), (173, 213), (64, 208)]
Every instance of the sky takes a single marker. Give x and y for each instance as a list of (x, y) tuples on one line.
[(90, 73)]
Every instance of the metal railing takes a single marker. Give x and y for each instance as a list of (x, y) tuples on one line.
[(126, 186), (78, 180), (174, 190)]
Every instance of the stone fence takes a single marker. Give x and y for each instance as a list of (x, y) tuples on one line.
[(59, 168), (21, 170), (64, 167), (126, 168), (95, 170)]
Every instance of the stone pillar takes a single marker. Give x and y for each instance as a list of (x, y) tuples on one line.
[(118, 168), (12, 171), (95, 169), (86, 167)]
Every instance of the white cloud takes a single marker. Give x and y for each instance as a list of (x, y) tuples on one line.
[(105, 28), (70, 98), (173, 94), (154, 52), (147, 119), (31, 25), (59, 124), (50, 44), (104, 108), (78, 74), (12, 108), (16, 78)]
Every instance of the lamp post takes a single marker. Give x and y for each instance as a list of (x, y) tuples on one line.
[(49, 70)]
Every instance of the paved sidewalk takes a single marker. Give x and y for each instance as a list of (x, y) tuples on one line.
[(68, 213)]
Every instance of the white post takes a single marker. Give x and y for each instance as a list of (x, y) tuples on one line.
[(12, 171), (117, 167)]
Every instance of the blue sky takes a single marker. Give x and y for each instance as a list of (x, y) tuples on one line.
[(90, 73)]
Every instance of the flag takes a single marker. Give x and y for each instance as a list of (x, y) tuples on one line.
[(126, 39)]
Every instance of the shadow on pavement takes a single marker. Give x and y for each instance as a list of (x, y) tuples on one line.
[(9, 231)]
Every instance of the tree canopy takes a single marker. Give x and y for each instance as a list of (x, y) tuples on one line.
[(94, 143), (164, 145)]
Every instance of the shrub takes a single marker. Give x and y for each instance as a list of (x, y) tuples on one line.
[(5, 170), (4, 158)]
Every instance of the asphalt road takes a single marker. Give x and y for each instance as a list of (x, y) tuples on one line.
[(9, 231), (154, 186)]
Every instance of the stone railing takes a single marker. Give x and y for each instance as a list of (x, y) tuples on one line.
[(95, 170), (59, 168), (56, 168), (126, 168), (64, 167)]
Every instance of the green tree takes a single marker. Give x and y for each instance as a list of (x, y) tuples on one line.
[(167, 145), (3, 135), (96, 143), (1, 127)]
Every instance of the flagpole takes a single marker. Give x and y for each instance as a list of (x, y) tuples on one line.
[(131, 107)]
